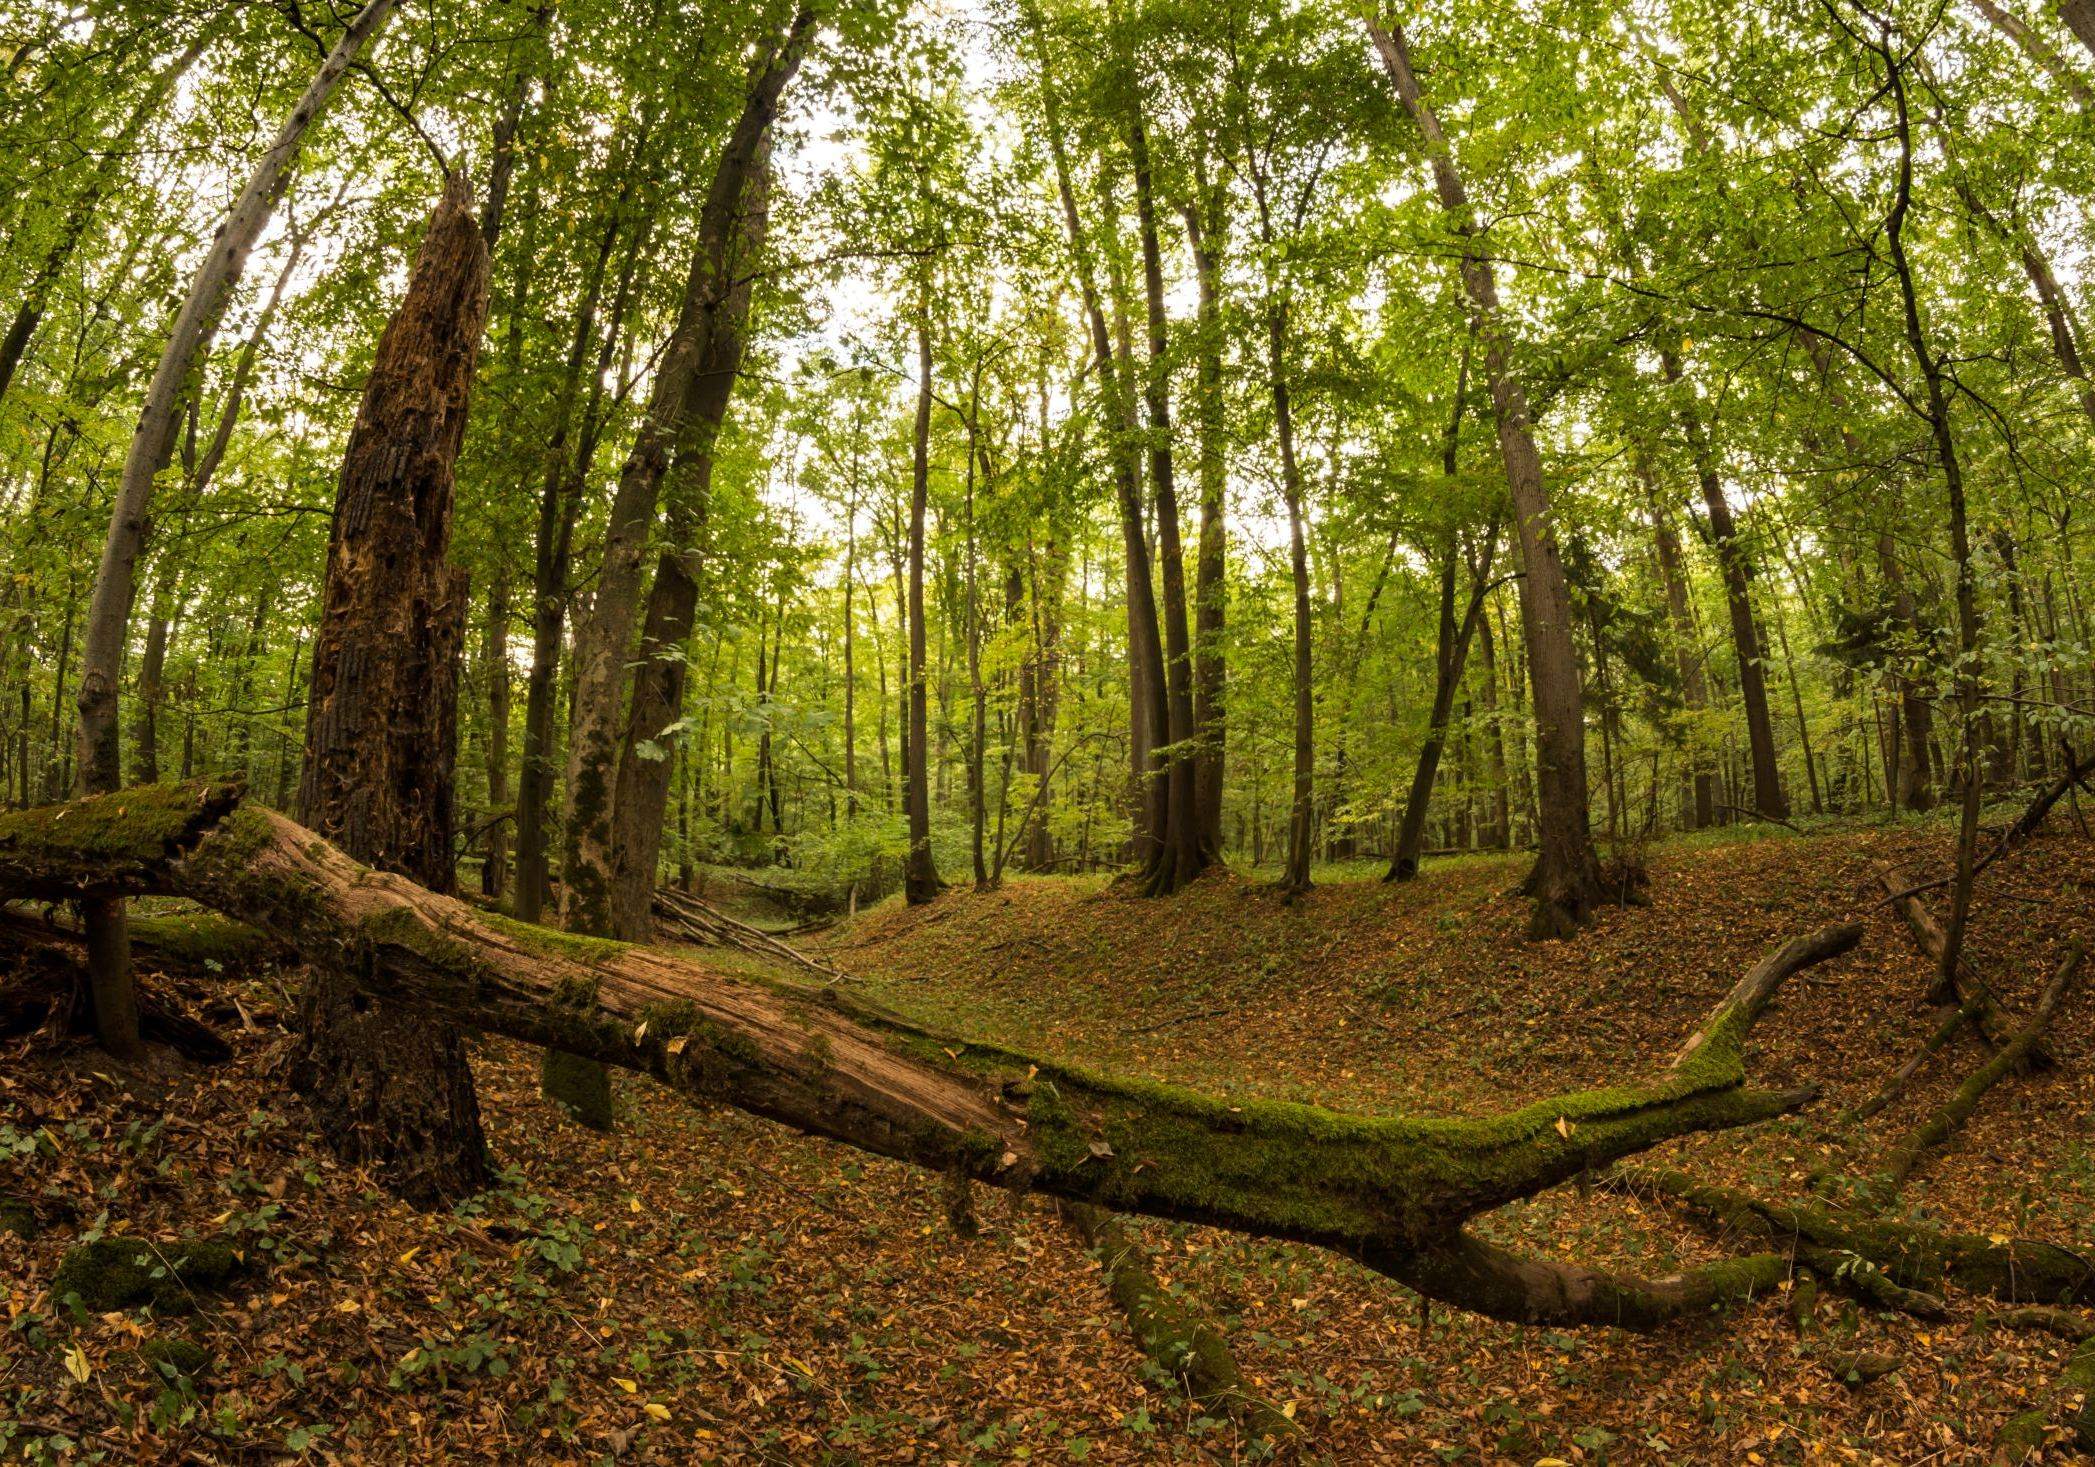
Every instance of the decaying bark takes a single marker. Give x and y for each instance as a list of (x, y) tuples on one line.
[(1392, 1191), (389, 1088)]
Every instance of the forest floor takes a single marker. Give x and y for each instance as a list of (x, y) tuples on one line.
[(701, 1285)]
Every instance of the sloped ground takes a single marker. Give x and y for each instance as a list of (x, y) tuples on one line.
[(701, 1286)]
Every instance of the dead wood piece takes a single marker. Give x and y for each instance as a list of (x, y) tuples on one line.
[(1170, 1328), (1907, 1256), (684, 917), (1894, 1087), (1950, 1117), (1392, 1191), (1996, 1025)]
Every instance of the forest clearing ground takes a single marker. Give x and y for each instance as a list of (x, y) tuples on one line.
[(701, 1283)]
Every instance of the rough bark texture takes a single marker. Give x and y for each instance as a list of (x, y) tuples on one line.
[(389, 1088), (604, 639), (1566, 882), (152, 443), (1393, 1191)]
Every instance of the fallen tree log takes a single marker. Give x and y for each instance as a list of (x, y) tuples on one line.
[(1949, 1118), (1171, 1332), (681, 917), (1911, 1257), (1995, 1024), (1395, 1192)]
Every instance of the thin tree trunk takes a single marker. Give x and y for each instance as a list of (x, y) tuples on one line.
[(604, 640), (1179, 854), (1210, 592), (1701, 795), (920, 881), (1566, 880), (109, 616)]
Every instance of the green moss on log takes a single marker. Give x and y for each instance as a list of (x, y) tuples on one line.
[(199, 938), (119, 1273)]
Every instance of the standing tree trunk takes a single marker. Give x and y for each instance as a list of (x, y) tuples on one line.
[(560, 497), (1146, 707), (1738, 599), (604, 640), (1295, 878), (389, 1089), (1210, 676), (920, 881), (1179, 854), (1566, 880), (109, 614), (641, 801), (1700, 797), (495, 874)]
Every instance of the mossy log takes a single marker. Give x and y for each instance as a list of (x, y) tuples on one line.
[(2024, 1435), (1392, 1191), (1909, 1256), (1949, 1118), (1171, 1331)]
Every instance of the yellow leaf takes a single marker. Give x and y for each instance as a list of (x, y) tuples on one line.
[(76, 1363), (634, 1204), (628, 1386), (1564, 1128), (676, 1045), (657, 1410), (348, 1306), (1288, 1410), (409, 1256), (640, 1033)]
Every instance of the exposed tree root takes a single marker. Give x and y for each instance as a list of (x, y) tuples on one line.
[(1950, 1117), (1907, 1257), (1176, 1337), (1393, 1191)]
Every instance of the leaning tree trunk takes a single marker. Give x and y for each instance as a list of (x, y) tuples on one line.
[(116, 580), (1394, 1192), (1566, 881), (1699, 795), (603, 643), (388, 1088)]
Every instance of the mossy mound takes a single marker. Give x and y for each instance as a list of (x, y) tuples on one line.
[(120, 1273), (17, 1216), (580, 1087), (175, 1356)]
